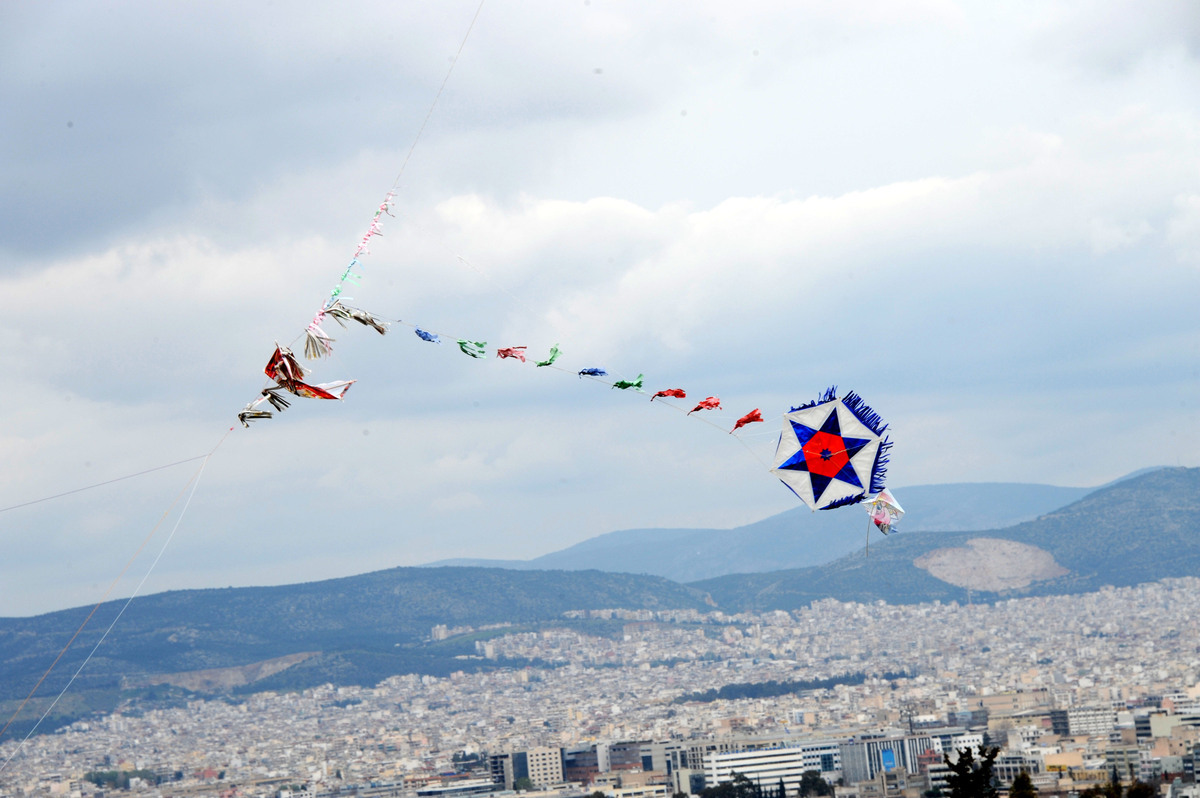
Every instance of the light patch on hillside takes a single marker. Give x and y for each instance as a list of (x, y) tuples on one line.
[(218, 679), (991, 564)]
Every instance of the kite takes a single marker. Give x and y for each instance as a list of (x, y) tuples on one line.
[(322, 390), (251, 413), (512, 351), (749, 418), (625, 385), (276, 399), (554, 353), (678, 393), (283, 366), (711, 403), (343, 313), (475, 349), (289, 375), (427, 336), (832, 451), (884, 510), (592, 372), (316, 342)]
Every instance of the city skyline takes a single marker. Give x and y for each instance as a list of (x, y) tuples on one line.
[(1117, 670)]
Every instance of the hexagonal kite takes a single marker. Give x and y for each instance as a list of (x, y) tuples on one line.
[(832, 451)]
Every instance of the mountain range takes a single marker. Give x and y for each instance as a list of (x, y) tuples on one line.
[(796, 538), (1136, 530), (361, 629)]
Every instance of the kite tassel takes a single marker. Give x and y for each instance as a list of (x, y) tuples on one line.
[(879, 470), (829, 395), (316, 343), (863, 412), (369, 320), (251, 413), (844, 502), (276, 399)]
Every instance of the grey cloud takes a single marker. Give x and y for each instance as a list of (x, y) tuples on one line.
[(124, 116), (991, 250)]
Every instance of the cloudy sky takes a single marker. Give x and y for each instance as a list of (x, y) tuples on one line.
[(985, 218)]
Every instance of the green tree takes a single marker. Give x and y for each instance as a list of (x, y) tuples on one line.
[(811, 783), (1140, 789), (722, 790), (739, 787), (1022, 787), (970, 777), (523, 784), (1113, 788)]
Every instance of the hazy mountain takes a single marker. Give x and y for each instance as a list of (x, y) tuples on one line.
[(355, 630), (1136, 530), (361, 629), (795, 538)]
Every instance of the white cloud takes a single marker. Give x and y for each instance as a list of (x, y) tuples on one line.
[(1183, 228), (975, 215), (1107, 237)]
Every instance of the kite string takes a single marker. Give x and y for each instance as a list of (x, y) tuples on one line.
[(361, 249), (194, 482), (102, 484), (153, 531), (438, 96), (560, 369), (662, 401)]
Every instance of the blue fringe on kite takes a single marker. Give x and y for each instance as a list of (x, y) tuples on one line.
[(829, 395), (879, 470), (864, 413), (845, 501)]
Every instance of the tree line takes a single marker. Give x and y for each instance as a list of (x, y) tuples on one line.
[(774, 688)]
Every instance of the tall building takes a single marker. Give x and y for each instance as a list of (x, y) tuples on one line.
[(769, 766), (820, 754), (542, 766), (1091, 720), (581, 764), (865, 757)]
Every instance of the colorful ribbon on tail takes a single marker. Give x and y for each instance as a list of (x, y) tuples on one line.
[(749, 418), (711, 403)]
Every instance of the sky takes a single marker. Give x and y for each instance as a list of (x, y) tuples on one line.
[(984, 218)]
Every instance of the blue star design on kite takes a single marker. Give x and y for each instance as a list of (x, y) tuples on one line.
[(825, 454)]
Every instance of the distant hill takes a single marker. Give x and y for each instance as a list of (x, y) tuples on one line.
[(1136, 530), (795, 538), (355, 630), (361, 629)]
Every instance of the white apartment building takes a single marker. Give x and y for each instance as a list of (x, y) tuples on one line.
[(1091, 720), (767, 766)]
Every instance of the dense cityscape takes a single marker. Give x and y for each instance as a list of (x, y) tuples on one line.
[(1075, 691)]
